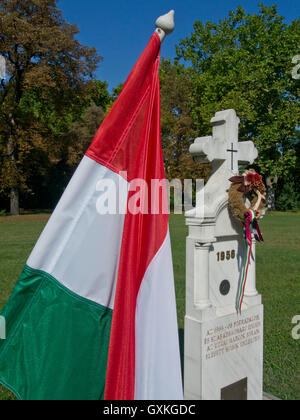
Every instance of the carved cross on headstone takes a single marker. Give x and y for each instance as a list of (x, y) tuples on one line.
[(232, 151), (224, 145)]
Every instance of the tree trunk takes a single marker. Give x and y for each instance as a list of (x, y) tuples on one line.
[(271, 199), (14, 202), (272, 184), (14, 176)]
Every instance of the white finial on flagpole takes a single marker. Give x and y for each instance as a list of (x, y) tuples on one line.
[(165, 25)]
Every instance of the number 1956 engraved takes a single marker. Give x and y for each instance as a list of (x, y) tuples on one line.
[(228, 255)]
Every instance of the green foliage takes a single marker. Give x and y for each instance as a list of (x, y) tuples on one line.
[(116, 91), (297, 148), (2, 213), (288, 197), (244, 62), (100, 95)]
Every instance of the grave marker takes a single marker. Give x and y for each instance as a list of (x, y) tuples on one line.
[(223, 350)]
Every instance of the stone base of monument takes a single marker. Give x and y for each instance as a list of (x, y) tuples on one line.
[(227, 363), (223, 350)]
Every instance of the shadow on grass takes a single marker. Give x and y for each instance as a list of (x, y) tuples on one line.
[(34, 212)]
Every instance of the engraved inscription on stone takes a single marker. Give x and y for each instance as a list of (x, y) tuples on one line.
[(231, 336)]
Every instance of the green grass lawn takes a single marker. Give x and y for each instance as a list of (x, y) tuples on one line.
[(278, 272)]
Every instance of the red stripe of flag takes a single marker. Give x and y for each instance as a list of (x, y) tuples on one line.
[(130, 140)]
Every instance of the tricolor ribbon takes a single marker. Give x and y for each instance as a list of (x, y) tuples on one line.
[(251, 228)]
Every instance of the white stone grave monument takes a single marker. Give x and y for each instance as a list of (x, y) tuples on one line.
[(223, 355)]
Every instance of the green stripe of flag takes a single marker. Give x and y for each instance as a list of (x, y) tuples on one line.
[(57, 342)]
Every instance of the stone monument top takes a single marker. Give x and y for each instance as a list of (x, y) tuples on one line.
[(226, 153)]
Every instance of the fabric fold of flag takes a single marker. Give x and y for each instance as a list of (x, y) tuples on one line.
[(93, 314)]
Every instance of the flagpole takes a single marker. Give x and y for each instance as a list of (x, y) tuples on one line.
[(165, 25)]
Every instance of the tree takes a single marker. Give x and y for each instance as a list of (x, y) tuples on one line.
[(177, 126), (288, 192), (46, 68), (297, 148), (115, 93), (99, 94), (82, 132), (245, 62)]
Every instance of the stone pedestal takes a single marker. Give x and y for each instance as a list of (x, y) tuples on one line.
[(229, 350), (223, 350)]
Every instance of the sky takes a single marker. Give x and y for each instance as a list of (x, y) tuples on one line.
[(120, 30)]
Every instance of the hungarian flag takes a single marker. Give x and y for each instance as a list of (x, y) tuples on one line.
[(93, 314)]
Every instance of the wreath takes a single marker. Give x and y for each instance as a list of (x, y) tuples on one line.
[(247, 186)]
